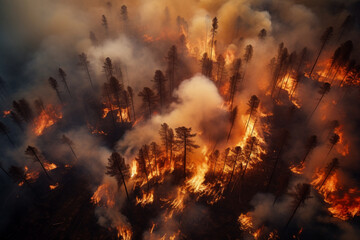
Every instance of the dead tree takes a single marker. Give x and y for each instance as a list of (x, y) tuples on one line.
[(23, 109), (234, 81), (330, 170), (233, 116), (34, 153), (284, 139), (131, 95), (334, 139), (117, 168), (53, 83), (142, 163), (234, 158), (253, 106), (159, 84), (108, 68), (62, 75), (220, 70), (156, 153), (83, 61), (164, 135), (172, 61), (70, 144), (185, 142), (324, 89), (105, 24), (213, 30), (309, 146), (149, 100), (299, 195), (324, 40)]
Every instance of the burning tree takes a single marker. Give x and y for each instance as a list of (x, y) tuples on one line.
[(214, 27), (142, 163), (253, 106), (324, 40), (233, 116), (117, 168), (34, 153), (159, 80), (185, 142), (234, 158), (149, 100), (324, 89), (172, 60)]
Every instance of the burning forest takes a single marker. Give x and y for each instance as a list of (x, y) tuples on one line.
[(227, 119)]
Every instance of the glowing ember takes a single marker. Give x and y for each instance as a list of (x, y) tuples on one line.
[(6, 113), (49, 166), (52, 187), (299, 169), (133, 168)]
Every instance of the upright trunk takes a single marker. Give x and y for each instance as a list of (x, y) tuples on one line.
[(247, 122), (38, 159), (110, 105), (316, 107), (317, 58), (184, 160), (72, 150), (123, 179), (292, 215)]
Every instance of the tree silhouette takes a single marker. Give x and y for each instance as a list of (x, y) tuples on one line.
[(105, 24), (214, 157), (334, 139), (106, 93), (253, 106), (159, 80), (349, 67), (117, 168), (206, 65), (262, 34), (299, 195), (172, 61), (124, 13), (324, 40), (164, 135), (108, 68), (146, 152), (345, 52), (309, 146), (225, 156), (247, 57), (220, 70), (233, 116), (346, 26), (149, 100), (62, 75), (4, 130), (131, 95), (172, 144), (324, 89), (116, 90), (34, 153), (236, 153), (156, 153), (67, 141), (289, 67), (93, 39), (330, 170), (284, 139), (234, 80), (214, 27), (83, 61), (23, 109), (185, 142), (251, 143), (142, 163), (53, 83), (3, 169)]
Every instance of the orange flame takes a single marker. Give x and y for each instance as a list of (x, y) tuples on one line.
[(47, 118)]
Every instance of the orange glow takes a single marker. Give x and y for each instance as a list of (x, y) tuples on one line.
[(122, 114), (104, 194), (342, 147), (52, 187), (147, 198), (6, 113), (49, 166), (133, 168), (299, 169), (46, 118)]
